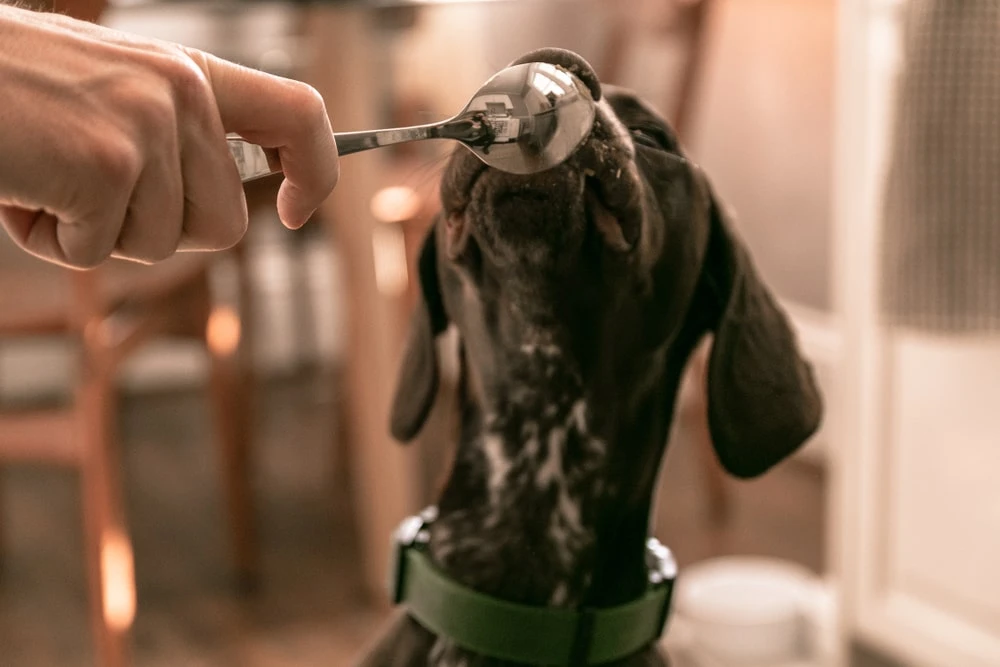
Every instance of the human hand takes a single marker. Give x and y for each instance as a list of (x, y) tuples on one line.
[(114, 145)]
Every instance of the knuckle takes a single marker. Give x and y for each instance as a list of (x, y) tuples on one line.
[(186, 78), (309, 96), (117, 160), (311, 102), (154, 113), (314, 107)]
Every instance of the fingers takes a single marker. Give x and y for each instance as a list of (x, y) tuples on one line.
[(88, 236), (155, 217), (161, 217), (129, 158), (284, 114), (214, 208), (82, 244), (215, 211)]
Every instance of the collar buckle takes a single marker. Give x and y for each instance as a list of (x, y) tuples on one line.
[(662, 572)]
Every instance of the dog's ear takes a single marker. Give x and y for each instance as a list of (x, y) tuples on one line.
[(417, 384), (763, 400)]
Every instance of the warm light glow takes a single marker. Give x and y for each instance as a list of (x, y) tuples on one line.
[(223, 330), (389, 254), (397, 203), (118, 576)]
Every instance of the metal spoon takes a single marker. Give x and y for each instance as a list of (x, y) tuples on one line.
[(525, 119)]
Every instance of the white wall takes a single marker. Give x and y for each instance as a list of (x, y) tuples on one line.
[(915, 520), (764, 132)]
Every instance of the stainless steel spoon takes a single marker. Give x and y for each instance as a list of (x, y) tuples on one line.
[(525, 119)]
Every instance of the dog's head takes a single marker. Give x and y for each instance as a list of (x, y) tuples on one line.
[(617, 260)]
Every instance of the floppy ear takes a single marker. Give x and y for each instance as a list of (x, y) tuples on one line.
[(763, 400), (417, 384)]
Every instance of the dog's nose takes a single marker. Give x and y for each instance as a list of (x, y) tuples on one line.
[(568, 60)]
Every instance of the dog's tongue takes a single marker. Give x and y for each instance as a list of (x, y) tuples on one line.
[(569, 61)]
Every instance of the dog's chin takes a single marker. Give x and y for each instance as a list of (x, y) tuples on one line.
[(535, 225), (535, 222)]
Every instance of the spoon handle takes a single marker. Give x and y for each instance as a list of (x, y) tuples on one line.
[(255, 162), (355, 142)]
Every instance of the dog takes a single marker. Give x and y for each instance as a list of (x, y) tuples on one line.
[(578, 295)]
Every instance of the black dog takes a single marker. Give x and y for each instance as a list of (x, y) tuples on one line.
[(579, 294)]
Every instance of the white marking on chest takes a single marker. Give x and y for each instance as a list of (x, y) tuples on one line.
[(578, 416), (551, 469), (498, 463), (565, 525), (547, 350), (542, 446)]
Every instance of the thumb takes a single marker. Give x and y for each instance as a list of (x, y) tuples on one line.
[(284, 114)]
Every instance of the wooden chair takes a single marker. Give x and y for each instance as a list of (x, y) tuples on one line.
[(107, 315)]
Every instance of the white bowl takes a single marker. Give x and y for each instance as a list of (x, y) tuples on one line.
[(747, 610)]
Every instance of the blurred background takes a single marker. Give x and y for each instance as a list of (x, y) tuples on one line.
[(195, 466)]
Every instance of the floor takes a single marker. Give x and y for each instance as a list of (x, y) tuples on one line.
[(309, 609)]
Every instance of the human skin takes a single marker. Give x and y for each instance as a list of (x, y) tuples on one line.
[(113, 145)]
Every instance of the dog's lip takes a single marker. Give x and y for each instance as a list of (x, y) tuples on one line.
[(613, 220), (456, 229), (606, 221), (461, 194)]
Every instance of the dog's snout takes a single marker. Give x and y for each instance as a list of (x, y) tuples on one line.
[(540, 227), (529, 220)]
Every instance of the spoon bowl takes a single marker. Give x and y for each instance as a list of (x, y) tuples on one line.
[(525, 119), (537, 115)]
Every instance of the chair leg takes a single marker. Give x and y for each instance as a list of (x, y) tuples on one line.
[(110, 571), (2, 536), (230, 391)]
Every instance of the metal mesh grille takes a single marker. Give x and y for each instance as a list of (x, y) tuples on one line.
[(941, 240)]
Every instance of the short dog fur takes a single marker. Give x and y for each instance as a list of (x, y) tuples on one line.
[(578, 295)]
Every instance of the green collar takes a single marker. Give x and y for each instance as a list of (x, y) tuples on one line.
[(524, 633)]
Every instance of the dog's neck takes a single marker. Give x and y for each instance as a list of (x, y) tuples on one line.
[(520, 515)]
